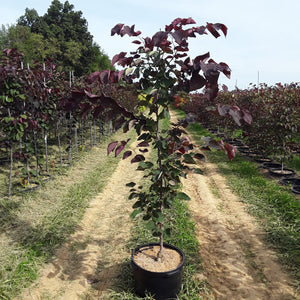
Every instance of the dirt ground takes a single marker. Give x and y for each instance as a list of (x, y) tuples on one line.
[(236, 261), (237, 264), (95, 252)]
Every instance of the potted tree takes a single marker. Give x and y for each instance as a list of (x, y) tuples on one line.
[(160, 68)]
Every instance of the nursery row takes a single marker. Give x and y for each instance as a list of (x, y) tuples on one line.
[(39, 107), (265, 118)]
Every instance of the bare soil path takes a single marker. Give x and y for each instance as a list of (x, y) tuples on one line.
[(236, 261), (95, 252)]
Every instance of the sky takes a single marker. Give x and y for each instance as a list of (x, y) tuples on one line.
[(262, 44)]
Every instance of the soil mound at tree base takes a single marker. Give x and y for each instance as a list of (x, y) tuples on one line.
[(146, 258)]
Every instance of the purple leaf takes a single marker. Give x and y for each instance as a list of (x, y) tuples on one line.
[(117, 29), (200, 30), (111, 147), (199, 58), (127, 154), (223, 109), (224, 68), (158, 38), (225, 88), (119, 149), (138, 158), (115, 76), (118, 57), (103, 76), (143, 150), (179, 36), (230, 150), (247, 116), (222, 27), (236, 114), (93, 77), (197, 81), (91, 96), (199, 156), (143, 144), (130, 31), (210, 27)]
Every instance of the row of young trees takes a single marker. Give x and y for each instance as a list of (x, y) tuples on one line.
[(60, 34), (275, 110), (36, 102)]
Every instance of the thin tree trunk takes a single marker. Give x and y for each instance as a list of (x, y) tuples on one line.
[(21, 146), (95, 132), (70, 140), (76, 139), (91, 134), (10, 170), (100, 130), (58, 139), (161, 225), (36, 152), (46, 151), (27, 155)]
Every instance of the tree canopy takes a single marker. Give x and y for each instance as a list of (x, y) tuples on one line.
[(61, 34)]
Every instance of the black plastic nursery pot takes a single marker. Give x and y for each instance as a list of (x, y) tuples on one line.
[(290, 181), (161, 285), (296, 189), (262, 159), (281, 172), (271, 165), (243, 149)]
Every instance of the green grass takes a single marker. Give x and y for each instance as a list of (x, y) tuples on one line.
[(294, 163), (276, 208), (34, 224)]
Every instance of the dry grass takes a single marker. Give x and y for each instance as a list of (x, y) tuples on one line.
[(34, 224)]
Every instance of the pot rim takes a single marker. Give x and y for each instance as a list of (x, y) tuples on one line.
[(295, 188), (284, 181), (166, 246)]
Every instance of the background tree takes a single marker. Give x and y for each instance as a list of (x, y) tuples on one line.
[(33, 45), (68, 30)]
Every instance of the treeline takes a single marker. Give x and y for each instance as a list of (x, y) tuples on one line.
[(61, 35)]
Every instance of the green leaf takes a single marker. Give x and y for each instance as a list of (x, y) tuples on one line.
[(146, 217), (183, 196), (137, 204), (160, 217), (198, 171), (168, 231), (150, 225), (188, 159), (132, 195), (148, 90), (144, 165), (135, 213)]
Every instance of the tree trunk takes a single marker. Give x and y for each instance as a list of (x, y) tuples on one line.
[(161, 226), (91, 134), (10, 170), (36, 151), (46, 151), (58, 139)]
